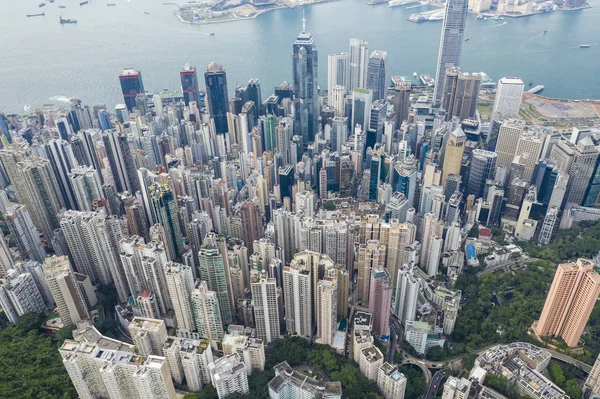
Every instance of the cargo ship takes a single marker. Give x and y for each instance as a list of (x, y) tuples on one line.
[(36, 15), (42, 5), (83, 3), (584, 46)]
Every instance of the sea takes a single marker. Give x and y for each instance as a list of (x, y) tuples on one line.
[(44, 62)]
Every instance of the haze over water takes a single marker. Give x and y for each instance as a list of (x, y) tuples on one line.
[(44, 62)]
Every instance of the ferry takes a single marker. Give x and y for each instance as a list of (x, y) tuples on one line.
[(42, 5), (110, 5), (584, 46), (467, 39), (36, 15), (67, 21), (415, 74), (62, 7), (83, 3), (545, 31)]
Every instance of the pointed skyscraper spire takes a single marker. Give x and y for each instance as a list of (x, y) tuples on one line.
[(303, 22)]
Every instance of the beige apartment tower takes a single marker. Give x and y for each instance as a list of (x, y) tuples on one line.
[(570, 300)]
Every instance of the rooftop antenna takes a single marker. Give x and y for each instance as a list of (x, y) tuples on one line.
[(303, 22)]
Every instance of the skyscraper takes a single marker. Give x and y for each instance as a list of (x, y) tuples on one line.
[(453, 29), (358, 59), (401, 100), (24, 232), (570, 301), (361, 108), (378, 75), (120, 161), (297, 288), (508, 98), (508, 137), (65, 290), (483, 167), (86, 185), (207, 314), (216, 95), (327, 308), (453, 153), (131, 86), (165, 210), (180, 282), (19, 295), (266, 307), (370, 255), (189, 84), (460, 94), (214, 273), (306, 82), (337, 67), (380, 300)]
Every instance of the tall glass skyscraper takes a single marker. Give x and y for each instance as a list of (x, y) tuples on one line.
[(189, 84), (453, 30), (131, 86), (305, 70), (216, 95), (378, 78)]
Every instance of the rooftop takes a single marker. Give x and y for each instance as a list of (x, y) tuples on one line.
[(284, 374)]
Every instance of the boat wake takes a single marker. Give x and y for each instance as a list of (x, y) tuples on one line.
[(503, 23), (61, 99)]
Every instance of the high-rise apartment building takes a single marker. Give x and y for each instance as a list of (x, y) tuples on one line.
[(265, 300), (86, 186), (305, 63), (327, 308), (19, 294), (120, 161), (216, 95), (380, 300), (65, 290), (215, 272), (391, 382), (131, 86), (570, 301), (180, 283), (165, 209), (148, 335), (592, 383), (407, 295), (378, 75), (207, 314), (508, 98), (228, 375), (370, 255), (358, 58), (453, 30), (24, 232), (297, 288)]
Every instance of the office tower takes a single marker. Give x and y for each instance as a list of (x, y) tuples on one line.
[(570, 301), (483, 168), (207, 313), (214, 272), (391, 382), (370, 255), (286, 181), (337, 67), (508, 137), (401, 100), (377, 74), (453, 153), (216, 95), (327, 309), (404, 178), (361, 108), (180, 282), (380, 300), (339, 133), (548, 226), (358, 59), (460, 94), (289, 383), (165, 209), (266, 310), (228, 375), (453, 29), (65, 290), (407, 294), (131, 86), (99, 372), (86, 185), (27, 237), (529, 150), (19, 294), (338, 94), (579, 161), (189, 84), (306, 81), (120, 160), (592, 192), (297, 289), (508, 98), (148, 335)]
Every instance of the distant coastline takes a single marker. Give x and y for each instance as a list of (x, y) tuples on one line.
[(185, 12)]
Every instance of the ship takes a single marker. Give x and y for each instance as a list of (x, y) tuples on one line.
[(146, 12), (42, 5), (584, 46), (67, 21), (62, 7), (83, 3), (545, 31), (110, 5), (467, 39), (212, 33), (415, 74), (426, 80), (36, 15), (480, 16), (397, 3), (531, 83)]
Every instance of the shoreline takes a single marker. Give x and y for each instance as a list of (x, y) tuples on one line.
[(238, 18)]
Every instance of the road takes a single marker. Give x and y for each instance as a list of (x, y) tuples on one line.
[(433, 388), (503, 265), (569, 360)]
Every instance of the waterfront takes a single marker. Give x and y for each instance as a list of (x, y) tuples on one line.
[(44, 62)]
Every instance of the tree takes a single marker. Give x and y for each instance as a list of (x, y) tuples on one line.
[(415, 381), (573, 389), (207, 392), (557, 375), (65, 333), (330, 206), (30, 321)]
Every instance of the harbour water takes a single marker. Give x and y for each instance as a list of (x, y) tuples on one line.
[(42, 61)]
